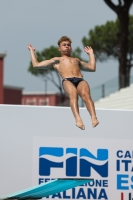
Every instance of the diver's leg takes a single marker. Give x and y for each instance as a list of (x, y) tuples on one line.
[(71, 91), (84, 92)]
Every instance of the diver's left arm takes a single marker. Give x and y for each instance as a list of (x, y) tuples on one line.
[(91, 65)]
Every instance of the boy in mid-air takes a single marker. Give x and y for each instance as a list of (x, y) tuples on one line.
[(72, 79)]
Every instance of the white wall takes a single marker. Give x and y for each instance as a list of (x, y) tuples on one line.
[(20, 124)]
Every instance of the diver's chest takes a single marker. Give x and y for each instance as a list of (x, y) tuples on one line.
[(69, 61)]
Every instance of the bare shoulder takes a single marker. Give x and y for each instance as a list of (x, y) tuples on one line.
[(78, 60), (56, 62), (55, 59)]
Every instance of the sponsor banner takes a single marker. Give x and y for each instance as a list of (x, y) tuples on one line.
[(108, 161)]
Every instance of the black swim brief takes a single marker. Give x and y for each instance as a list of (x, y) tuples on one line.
[(73, 80)]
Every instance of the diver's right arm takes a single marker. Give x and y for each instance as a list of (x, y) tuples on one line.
[(35, 63)]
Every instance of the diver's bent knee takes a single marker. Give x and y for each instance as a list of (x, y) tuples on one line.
[(86, 97), (73, 97)]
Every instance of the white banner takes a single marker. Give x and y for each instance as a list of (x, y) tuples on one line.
[(107, 161)]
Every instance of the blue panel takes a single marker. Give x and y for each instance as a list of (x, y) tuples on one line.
[(102, 154), (54, 151), (71, 150)]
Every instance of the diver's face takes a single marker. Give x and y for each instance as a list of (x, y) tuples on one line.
[(65, 48)]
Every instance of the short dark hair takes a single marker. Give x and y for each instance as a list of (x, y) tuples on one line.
[(64, 38)]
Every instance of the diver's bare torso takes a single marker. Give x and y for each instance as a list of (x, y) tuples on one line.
[(68, 67)]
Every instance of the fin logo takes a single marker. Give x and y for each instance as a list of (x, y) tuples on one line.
[(69, 158)]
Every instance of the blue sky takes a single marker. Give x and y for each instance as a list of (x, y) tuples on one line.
[(42, 23)]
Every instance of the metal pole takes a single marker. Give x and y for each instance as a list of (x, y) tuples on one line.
[(103, 91), (45, 92)]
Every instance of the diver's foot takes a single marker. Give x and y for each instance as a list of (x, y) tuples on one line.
[(80, 124), (95, 122)]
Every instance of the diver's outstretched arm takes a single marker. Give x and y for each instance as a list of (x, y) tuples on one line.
[(35, 63), (91, 65)]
